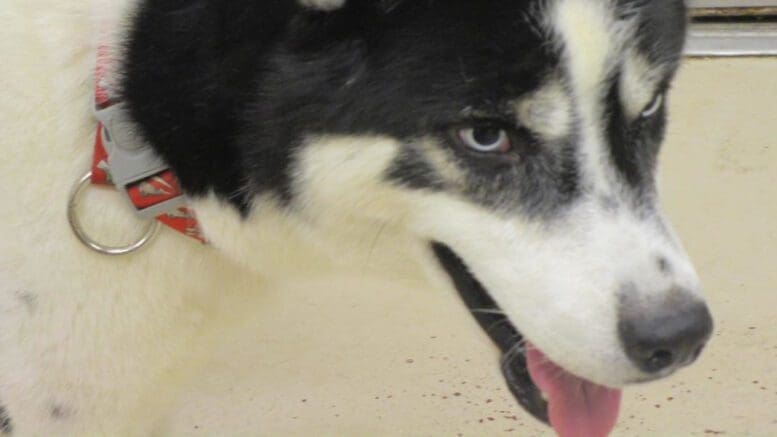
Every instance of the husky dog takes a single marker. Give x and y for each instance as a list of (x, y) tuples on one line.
[(510, 144)]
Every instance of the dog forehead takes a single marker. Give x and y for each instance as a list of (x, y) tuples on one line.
[(500, 42), (661, 29), (425, 63), (500, 29), (600, 31)]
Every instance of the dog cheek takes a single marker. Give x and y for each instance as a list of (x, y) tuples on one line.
[(341, 180)]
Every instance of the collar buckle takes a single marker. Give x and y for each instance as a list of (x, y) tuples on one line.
[(137, 172)]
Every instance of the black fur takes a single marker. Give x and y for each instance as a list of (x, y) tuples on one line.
[(191, 72), (662, 29), (412, 171), (6, 428), (226, 91), (635, 144)]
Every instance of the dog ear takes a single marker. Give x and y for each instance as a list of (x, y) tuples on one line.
[(333, 5)]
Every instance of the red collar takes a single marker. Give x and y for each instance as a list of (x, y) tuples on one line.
[(122, 161)]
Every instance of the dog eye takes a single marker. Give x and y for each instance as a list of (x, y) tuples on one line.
[(653, 107), (486, 139)]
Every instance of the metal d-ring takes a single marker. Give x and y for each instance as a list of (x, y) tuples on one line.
[(75, 224)]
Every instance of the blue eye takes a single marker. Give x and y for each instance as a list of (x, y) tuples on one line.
[(486, 139), (653, 107)]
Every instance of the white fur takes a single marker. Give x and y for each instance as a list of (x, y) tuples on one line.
[(584, 29), (116, 339), (639, 83), (547, 112), (95, 335)]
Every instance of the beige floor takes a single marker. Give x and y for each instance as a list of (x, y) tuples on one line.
[(377, 364)]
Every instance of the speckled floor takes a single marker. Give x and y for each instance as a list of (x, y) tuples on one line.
[(373, 362)]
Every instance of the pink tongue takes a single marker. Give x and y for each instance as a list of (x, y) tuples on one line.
[(576, 407)]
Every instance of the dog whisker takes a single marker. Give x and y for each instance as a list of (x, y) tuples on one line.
[(498, 323), (487, 311)]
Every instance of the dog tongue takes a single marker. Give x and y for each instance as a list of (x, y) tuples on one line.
[(576, 407)]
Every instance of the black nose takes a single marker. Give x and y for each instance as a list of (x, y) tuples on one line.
[(670, 334)]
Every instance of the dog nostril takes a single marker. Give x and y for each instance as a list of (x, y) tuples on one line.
[(670, 335), (660, 359)]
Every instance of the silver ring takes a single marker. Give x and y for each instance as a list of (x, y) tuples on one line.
[(75, 224)]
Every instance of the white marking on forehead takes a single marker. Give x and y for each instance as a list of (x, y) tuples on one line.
[(547, 111), (585, 29), (591, 39), (639, 82)]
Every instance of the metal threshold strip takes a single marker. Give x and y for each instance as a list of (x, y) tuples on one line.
[(732, 28), (732, 39), (751, 11)]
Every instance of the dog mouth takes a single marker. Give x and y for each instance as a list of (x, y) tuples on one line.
[(571, 405)]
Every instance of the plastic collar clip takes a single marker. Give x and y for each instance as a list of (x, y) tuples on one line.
[(135, 170)]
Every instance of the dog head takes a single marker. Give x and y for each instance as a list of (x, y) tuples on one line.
[(522, 136)]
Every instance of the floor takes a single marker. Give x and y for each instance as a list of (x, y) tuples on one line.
[(377, 364)]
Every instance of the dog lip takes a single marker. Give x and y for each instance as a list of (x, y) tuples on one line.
[(523, 388), (499, 329)]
